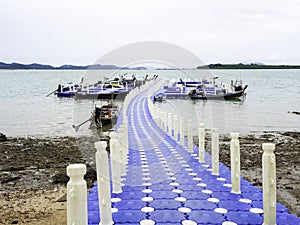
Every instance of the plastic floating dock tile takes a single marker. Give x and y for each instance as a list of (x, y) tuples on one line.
[(166, 185), (244, 218)]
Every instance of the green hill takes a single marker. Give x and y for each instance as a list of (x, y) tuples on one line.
[(247, 66)]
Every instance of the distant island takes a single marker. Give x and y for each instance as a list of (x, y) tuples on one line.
[(36, 66), (247, 66)]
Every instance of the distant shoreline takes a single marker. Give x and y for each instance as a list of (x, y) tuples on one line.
[(247, 66), (218, 66)]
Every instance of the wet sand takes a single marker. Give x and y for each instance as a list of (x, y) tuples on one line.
[(33, 173)]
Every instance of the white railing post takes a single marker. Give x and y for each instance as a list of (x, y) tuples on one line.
[(235, 163), (126, 139), (181, 131), (103, 179), (170, 124), (178, 129), (122, 149), (159, 118), (201, 143), (215, 151), (115, 162), (175, 126), (166, 124), (269, 183), (76, 195), (164, 121), (190, 136)]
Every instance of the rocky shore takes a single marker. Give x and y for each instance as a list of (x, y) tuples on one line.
[(33, 172), (33, 177), (287, 152)]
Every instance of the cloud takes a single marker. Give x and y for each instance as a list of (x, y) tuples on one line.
[(81, 31)]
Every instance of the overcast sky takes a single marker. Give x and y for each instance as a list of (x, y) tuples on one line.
[(79, 32)]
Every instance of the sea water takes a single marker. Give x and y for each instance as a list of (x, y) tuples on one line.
[(26, 111)]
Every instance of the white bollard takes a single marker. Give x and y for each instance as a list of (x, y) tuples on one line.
[(175, 126), (235, 163), (215, 151), (166, 122), (115, 161), (159, 114), (103, 179), (170, 124), (126, 139), (190, 136), (122, 149), (269, 183), (163, 121), (76, 195), (181, 131), (201, 143)]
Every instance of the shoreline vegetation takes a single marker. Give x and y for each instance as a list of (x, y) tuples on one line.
[(217, 66), (33, 172)]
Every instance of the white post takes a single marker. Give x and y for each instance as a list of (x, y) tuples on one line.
[(163, 121), (178, 129), (170, 124), (115, 162), (190, 136), (269, 183), (159, 114), (122, 149), (175, 126), (235, 163), (126, 139), (201, 143), (166, 122), (215, 151), (103, 179), (76, 195), (181, 131)]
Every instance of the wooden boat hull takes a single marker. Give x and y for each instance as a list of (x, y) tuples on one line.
[(225, 96), (105, 115), (102, 96), (65, 94)]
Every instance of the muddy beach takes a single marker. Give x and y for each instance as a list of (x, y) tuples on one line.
[(33, 172), (33, 177), (287, 152)]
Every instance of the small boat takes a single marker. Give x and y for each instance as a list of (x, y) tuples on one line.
[(67, 90), (160, 97), (203, 89), (101, 92), (200, 94), (107, 90), (104, 115)]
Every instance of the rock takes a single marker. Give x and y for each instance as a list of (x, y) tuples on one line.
[(60, 178), (62, 198), (90, 176), (3, 137), (10, 179)]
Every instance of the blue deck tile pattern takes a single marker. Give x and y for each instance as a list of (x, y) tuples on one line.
[(166, 185)]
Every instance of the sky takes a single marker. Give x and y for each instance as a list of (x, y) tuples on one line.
[(79, 32)]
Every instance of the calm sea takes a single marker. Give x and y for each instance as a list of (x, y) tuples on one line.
[(26, 111)]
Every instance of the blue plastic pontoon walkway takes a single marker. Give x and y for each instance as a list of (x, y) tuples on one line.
[(165, 184)]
